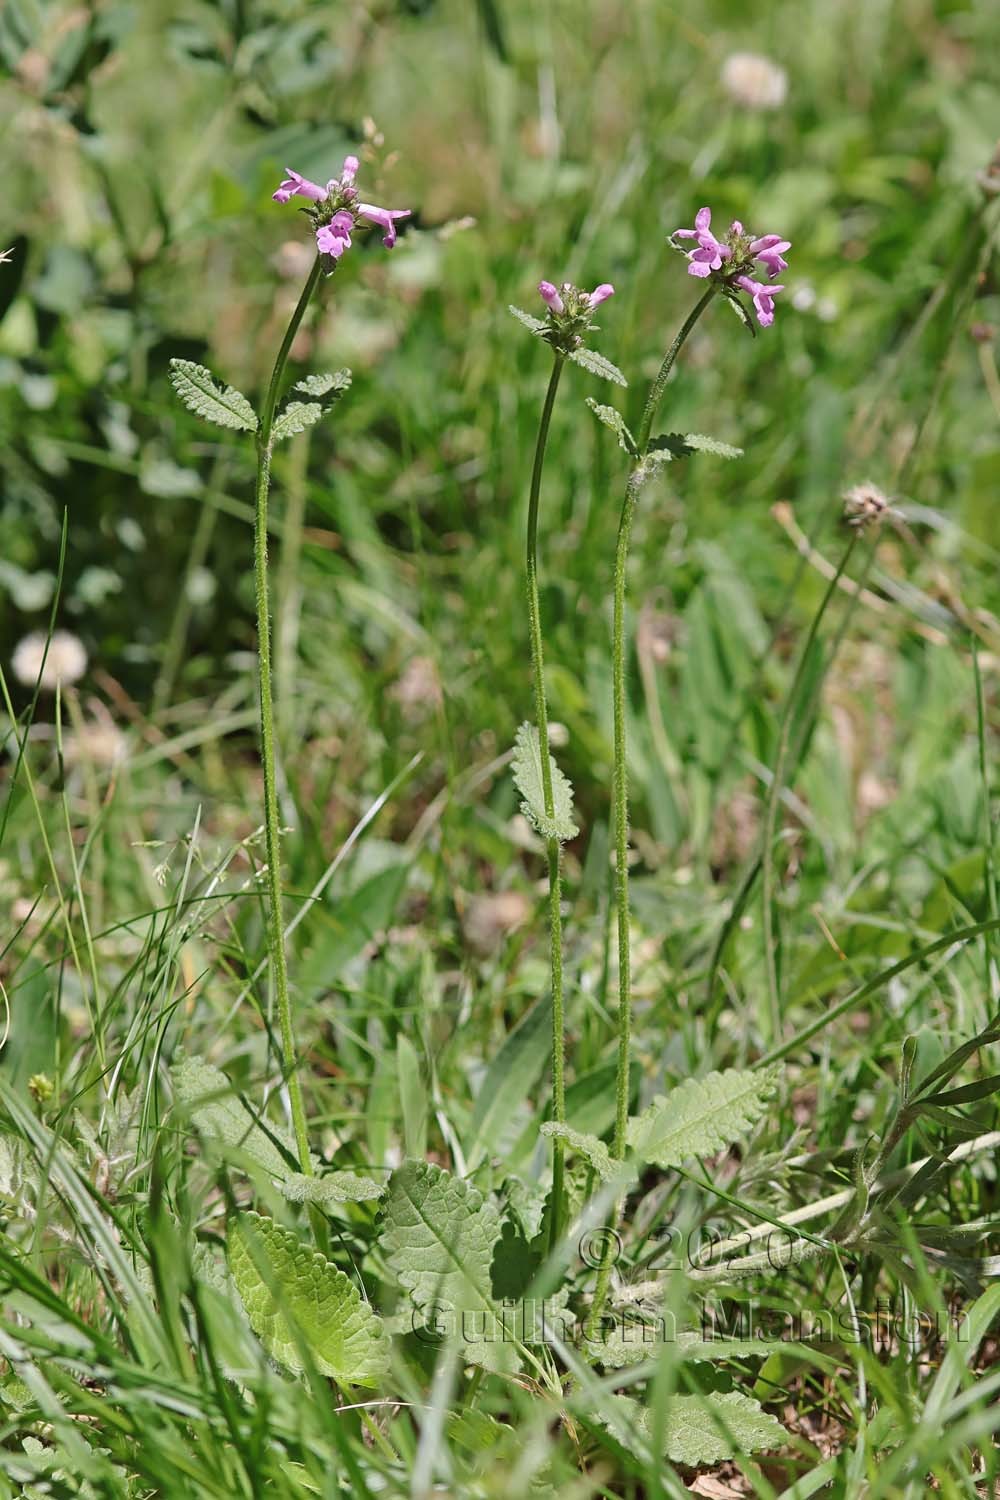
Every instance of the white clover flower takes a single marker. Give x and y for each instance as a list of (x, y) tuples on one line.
[(64, 662), (754, 81)]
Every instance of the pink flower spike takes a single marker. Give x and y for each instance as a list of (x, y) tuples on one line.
[(334, 238), (294, 184), (601, 293), (550, 296), (386, 219)]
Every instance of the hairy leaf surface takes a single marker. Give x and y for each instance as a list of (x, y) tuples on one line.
[(294, 1297)]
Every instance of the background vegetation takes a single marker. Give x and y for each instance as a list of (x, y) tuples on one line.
[(565, 140)]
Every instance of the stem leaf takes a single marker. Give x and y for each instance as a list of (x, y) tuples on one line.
[(680, 444), (533, 324), (701, 1116), (326, 384), (197, 388), (528, 780), (613, 418), (296, 417), (596, 364)]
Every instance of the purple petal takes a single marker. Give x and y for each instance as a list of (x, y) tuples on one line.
[(703, 219), (601, 293), (698, 268), (550, 296), (684, 234), (736, 227), (385, 218), (293, 184), (350, 170)]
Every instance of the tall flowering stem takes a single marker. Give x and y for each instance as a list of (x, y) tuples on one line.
[(633, 487), (272, 827), (552, 845)]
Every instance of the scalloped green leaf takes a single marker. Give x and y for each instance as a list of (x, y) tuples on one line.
[(332, 384), (219, 1115), (295, 417), (703, 1429), (702, 1115), (613, 418), (588, 1146), (295, 1298), (596, 364), (527, 770), (223, 405), (680, 444), (332, 1188), (533, 324), (438, 1237)]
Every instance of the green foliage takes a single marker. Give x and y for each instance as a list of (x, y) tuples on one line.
[(701, 1115), (533, 324), (596, 364), (223, 406), (220, 1117), (295, 417), (705, 1429), (527, 768), (438, 1237), (301, 1306), (614, 419), (587, 1146), (680, 444)]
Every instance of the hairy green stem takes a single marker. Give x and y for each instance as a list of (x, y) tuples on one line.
[(777, 787), (636, 480), (272, 828), (552, 845)]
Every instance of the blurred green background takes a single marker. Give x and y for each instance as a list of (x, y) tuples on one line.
[(142, 142)]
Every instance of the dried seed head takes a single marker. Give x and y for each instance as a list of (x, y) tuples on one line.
[(866, 506)]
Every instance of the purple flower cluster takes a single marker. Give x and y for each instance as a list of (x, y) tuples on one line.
[(338, 209), (735, 257), (553, 299)]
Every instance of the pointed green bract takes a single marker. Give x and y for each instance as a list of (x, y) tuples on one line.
[(439, 1234), (613, 418), (701, 1116), (200, 392), (296, 1299), (596, 364), (527, 769)]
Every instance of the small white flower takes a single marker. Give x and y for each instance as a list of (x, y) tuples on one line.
[(753, 80), (64, 662)]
